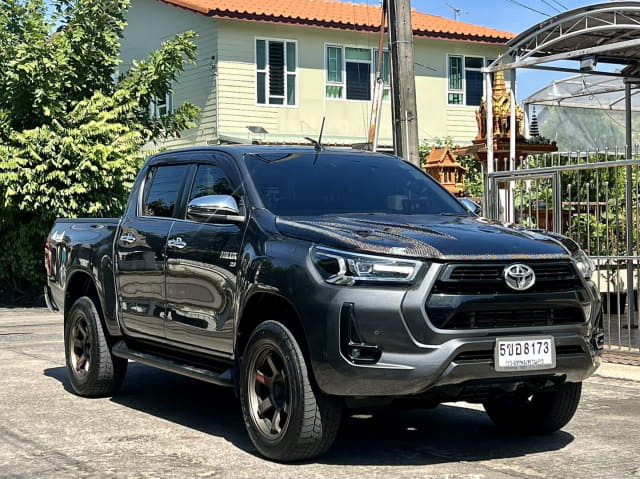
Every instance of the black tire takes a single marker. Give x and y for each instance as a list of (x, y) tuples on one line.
[(287, 418), (92, 369), (539, 413)]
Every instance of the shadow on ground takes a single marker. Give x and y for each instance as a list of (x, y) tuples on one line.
[(379, 437)]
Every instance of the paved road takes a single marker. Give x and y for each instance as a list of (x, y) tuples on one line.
[(163, 425)]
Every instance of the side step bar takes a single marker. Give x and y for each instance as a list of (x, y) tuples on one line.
[(224, 378)]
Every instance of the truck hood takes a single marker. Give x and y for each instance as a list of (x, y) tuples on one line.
[(423, 236)]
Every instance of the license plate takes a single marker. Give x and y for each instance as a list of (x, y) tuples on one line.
[(525, 353)]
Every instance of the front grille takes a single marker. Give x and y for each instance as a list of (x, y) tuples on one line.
[(487, 278), (487, 355), (474, 356), (475, 296), (476, 273), (514, 318)]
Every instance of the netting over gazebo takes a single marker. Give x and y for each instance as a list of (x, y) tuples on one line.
[(586, 90)]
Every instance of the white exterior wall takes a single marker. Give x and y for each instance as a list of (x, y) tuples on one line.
[(436, 118)]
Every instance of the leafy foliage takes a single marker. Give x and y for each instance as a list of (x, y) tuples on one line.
[(593, 202), (71, 137)]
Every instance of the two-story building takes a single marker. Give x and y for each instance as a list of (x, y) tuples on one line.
[(270, 70)]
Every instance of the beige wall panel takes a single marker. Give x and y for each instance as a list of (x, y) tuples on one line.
[(149, 24)]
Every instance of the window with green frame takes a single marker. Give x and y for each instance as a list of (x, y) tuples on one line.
[(465, 82), (276, 71), (350, 72), (385, 73)]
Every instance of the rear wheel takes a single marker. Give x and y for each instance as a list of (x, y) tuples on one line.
[(287, 418), (538, 413), (92, 370)]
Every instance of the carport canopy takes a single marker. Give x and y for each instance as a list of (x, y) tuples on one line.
[(600, 34), (603, 33)]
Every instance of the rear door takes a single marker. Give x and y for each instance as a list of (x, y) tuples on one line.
[(141, 250), (202, 265)]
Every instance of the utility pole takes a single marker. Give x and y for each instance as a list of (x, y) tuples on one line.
[(403, 82)]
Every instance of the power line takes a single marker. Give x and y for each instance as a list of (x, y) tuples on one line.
[(551, 5), (528, 7), (556, 1)]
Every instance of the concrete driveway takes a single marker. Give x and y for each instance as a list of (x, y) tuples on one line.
[(164, 425)]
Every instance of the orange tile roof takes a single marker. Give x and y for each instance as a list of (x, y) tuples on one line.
[(338, 15)]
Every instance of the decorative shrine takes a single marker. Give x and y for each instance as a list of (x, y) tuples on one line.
[(441, 164), (502, 131)]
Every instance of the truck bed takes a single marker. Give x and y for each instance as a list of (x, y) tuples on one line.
[(77, 249)]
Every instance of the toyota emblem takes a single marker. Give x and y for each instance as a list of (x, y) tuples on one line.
[(519, 277)]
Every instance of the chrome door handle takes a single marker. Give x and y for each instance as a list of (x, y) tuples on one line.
[(127, 238), (176, 243)]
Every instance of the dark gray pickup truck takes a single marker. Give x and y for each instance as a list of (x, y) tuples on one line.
[(312, 280)]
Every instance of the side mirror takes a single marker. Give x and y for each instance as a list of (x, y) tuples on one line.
[(470, 206), (219, 208)]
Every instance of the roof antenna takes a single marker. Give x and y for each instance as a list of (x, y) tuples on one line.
[(457, 11), (318, 144)]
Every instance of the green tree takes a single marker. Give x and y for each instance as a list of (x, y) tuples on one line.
[(71, 134)]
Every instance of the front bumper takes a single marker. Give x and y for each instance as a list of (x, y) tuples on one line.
[(412, 357), (456, 362)]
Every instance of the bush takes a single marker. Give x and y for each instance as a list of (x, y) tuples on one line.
[(71, 139)]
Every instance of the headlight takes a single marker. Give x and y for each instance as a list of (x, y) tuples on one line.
[(344, 268), (585, 265)]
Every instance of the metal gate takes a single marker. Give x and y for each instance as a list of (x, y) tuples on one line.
[(594, 198)]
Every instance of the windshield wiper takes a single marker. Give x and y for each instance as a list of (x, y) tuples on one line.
[(455, 214)]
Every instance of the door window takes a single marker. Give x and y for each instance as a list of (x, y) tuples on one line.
[(210, 180), (161, 190)]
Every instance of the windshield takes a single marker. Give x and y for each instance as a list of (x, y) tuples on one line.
[(337, 183)]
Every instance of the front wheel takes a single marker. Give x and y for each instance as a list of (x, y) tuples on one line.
[(537, 413), (93, 370), (286, 417)]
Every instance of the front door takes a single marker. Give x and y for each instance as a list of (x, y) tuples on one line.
[(202, 264), (141, 252)]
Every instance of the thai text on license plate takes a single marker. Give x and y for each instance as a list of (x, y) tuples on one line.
[(525, 353)]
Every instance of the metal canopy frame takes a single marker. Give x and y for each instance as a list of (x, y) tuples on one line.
[(610, 30), (602, 33)]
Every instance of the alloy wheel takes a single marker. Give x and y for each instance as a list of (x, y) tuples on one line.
[(269, 393), (80, 345)]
